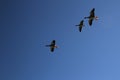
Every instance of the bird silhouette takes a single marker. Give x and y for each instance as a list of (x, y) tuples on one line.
[(81, 24), (52, 45), (91, 17)]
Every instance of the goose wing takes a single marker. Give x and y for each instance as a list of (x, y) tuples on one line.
[(53, 43), (81, 22), (92, 12), (90, 21), (81, 25), (51, 49), (80, 28)]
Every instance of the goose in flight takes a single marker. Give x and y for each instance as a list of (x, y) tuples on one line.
[(81, 24), (91, 17), (52, 45)]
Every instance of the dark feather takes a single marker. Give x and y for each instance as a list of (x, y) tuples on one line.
[(52, 49), (80, 29), (53, 43), (81, 22), (90, 22), (92, 14), (81, 25)]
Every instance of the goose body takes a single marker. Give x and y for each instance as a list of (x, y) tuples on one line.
[(52, 45), (91, 17), (81, 24)]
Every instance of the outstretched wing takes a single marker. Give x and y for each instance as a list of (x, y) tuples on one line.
[(53, 43), (81, 22), (80, 29), (81, 25), (92, 12), (90, 21), (51, 49)]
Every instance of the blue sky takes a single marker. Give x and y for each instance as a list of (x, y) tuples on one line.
[(28, 25)]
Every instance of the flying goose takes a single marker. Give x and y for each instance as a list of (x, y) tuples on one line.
[(81, 24), (52, 45), (91, 17)]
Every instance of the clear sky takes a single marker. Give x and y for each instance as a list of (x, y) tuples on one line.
[(26, 26)]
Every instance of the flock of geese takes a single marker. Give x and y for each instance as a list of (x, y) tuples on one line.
[(90, 18)]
